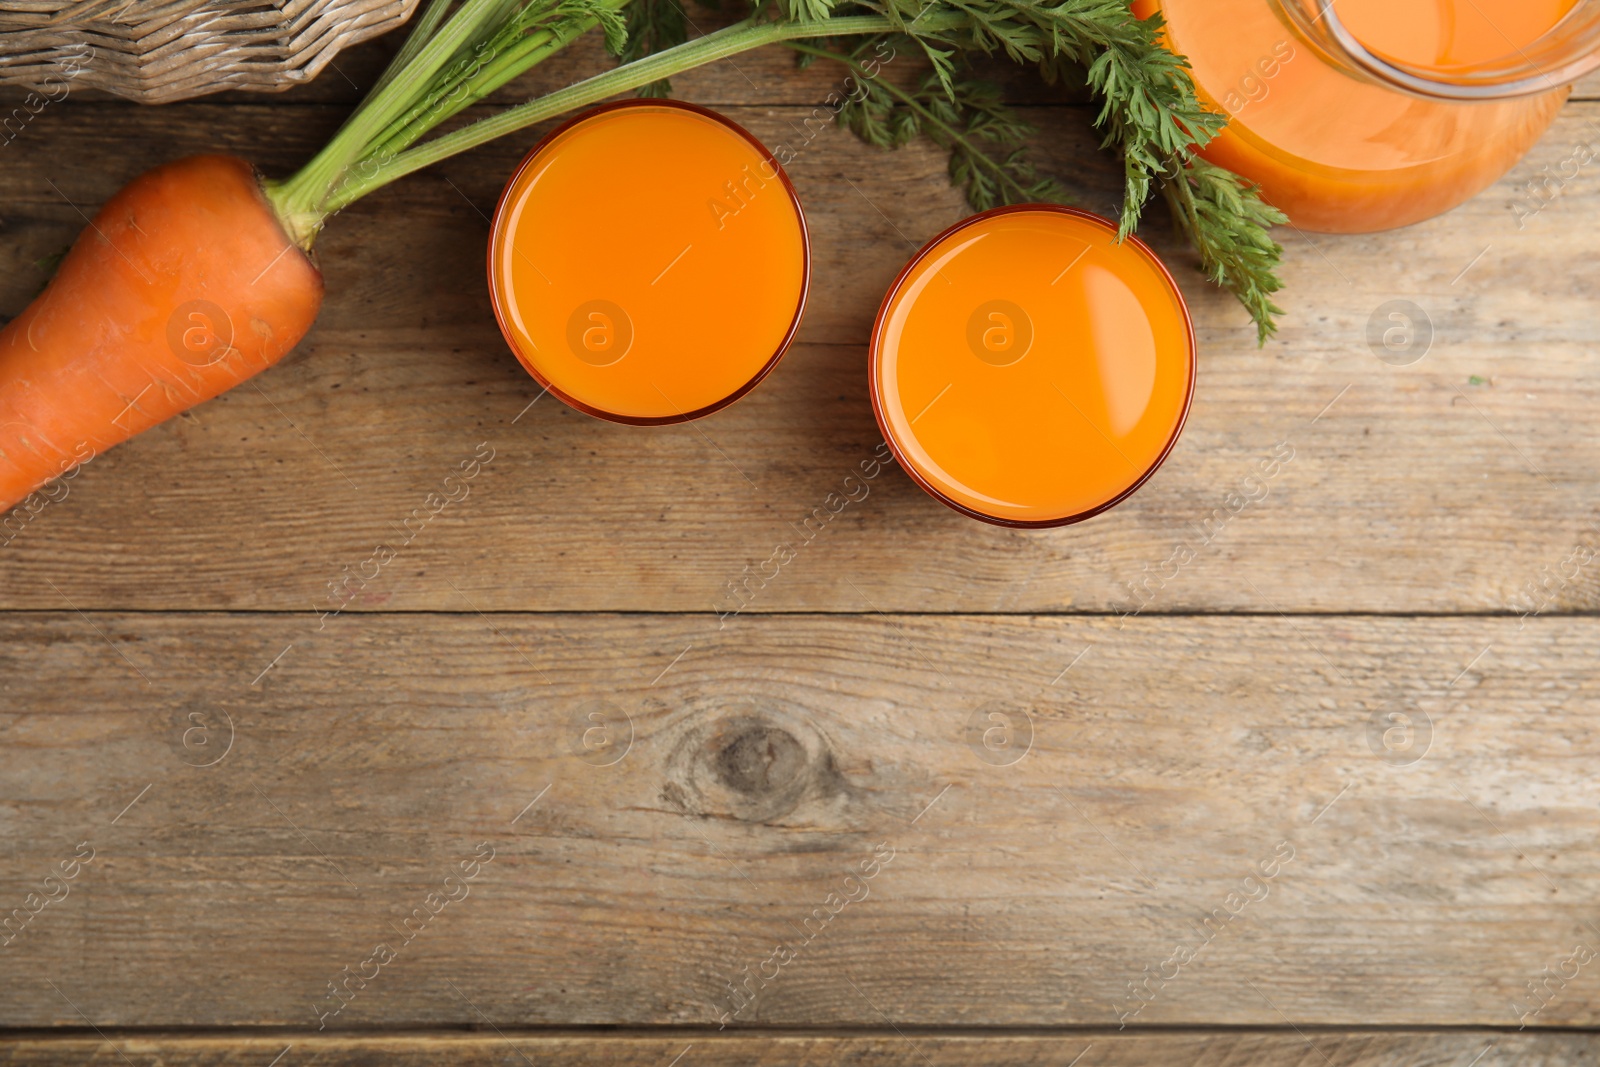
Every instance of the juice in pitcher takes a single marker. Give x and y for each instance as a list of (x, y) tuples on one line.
[(1369, 114)]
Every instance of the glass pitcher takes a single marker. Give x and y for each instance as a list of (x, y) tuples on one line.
[(1362, 115)]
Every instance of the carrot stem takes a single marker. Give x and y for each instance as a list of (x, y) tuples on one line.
[(470, 85), (453, 60), (299, 200), (721, 44), (426, 24)]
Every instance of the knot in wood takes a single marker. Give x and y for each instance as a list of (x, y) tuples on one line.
[(759, 760), (754, 763)]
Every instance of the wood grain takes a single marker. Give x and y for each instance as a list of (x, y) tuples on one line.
[(1447, 485), (764, 76), (682, 766), (1091, 1049), (1066, 804)]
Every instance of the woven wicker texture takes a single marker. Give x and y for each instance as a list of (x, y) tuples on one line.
[(155, 51)]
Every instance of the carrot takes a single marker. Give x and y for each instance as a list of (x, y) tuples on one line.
[(184, 285)]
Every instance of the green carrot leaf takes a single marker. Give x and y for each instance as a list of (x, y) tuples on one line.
[(1229, 224), (654, 26), (1149, 113)]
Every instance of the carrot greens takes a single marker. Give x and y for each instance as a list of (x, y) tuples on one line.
[(462, 50)]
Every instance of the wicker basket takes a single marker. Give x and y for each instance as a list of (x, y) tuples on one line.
[(156, 51)]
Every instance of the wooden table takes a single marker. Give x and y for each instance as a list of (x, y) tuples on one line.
[(1258, 769)]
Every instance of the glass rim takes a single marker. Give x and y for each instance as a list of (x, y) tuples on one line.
[(1568, 51), (497, 238), (874, 359)]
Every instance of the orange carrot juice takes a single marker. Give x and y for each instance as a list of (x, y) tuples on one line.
[(1446, 35), (648, 262), (1337, 152), (1028, 370)]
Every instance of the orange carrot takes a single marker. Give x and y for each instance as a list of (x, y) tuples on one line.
[(184, 285)]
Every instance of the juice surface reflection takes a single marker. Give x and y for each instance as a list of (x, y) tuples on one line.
[(1445, 35), (1340, 154), (1029, 369), (649, 262)]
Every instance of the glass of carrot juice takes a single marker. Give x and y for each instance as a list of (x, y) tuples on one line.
[(648, 262), (1029, 370)]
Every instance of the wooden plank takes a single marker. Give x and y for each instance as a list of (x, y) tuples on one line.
[(698, 1049), (763, 76), (1051, 810), (1450, 484)]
